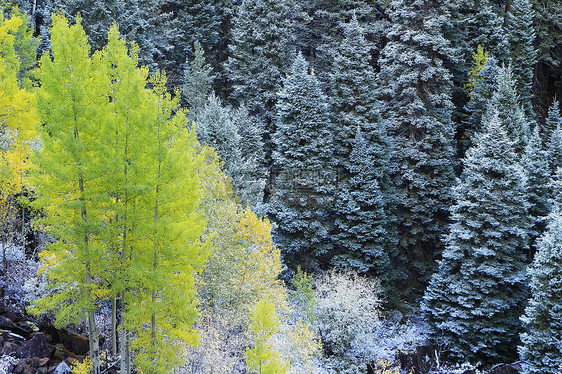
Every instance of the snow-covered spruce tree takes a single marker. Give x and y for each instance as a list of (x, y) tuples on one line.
[(353, 100), (362, 228), (354, 110), (473, 23), (535, 163), (303, 161), (548, 29), (236, 136), (199, 21), (478, 22), (197, 82), (260, 54), (554, 128), (542, 342), (321, 29), (215, 128), (484, 86), (523, 53), (415, 90), (474, 301), (253, 173), (505, 102)]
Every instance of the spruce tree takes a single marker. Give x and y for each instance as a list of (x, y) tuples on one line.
[(554, 132), (506, 103), (323, 23), (362, 230), (535, 163), (253, 173), (415, 90), (523, 52), (303, 162), (260, 54), (542, 341), (473, 23), (197, 82), (216, 129), (484, 86), (474, 301), (548, 29)]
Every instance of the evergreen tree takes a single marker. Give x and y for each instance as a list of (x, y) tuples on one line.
[(415, 90), (98, 16), (506, 103), (535, 163), (363, 228), (484, 86), (548, 29), (473, 23), (253, 173), (554, 128), (523, 52), (216, 129), (303, 161), (474, 301), (260, 54), (542, 345), (236, 137), (353, 98), (197, 82), (323, 23), (200, 21)]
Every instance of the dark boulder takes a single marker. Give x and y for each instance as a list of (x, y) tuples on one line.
[(37, 346)]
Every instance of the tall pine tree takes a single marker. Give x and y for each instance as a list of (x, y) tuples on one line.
[(523, 52), (303, 161), (535, 163), (542, 342), (474, 301), (505, 102), (415, 89)]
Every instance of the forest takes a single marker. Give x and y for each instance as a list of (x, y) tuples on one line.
[(281, 186)]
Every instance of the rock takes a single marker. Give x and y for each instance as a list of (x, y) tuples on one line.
[(35, 347), (19, 369), (74, 342), (60, 353), (9, 348), (8, 324), (63, 368), (37, 362), (42, 371)]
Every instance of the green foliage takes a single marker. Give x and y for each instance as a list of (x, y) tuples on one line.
[(263, 359), (480, 58), (303, 295)]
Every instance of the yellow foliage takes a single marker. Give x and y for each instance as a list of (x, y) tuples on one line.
[(83, 367), (18, 114), (480, 57)]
